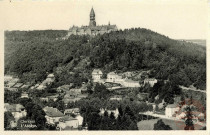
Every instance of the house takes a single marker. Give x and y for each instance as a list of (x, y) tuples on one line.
[(24, 95), (7, 78), (10, 84), (14, 80), (63, 88), (12, 89), (151, 81), (171, 110), (131, 83), (44, 99), (53, 97), (116, 97), (50, 78), (97, 75), (114, 78), (52, 115), (17, 110), (67, 121), (71, 111)]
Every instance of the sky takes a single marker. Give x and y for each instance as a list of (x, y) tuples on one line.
[(177, 19)]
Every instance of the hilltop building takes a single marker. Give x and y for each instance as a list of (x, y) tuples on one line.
[(92, 29)]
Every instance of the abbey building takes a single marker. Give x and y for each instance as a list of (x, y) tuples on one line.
[(92, 28)]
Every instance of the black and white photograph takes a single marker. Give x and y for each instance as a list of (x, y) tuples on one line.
[(98, 65)]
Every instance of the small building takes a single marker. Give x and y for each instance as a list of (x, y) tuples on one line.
[(63, 88), (52, 115), (97, 75), (71, 111), (67, 121), (53, 97), (50, 78), (171, 110), (114, 78), (116, 97), (24, 95), (7, 78), (10, 85), (44, 99), (17, 110), (151, 81), (12, 89), (14, 80)]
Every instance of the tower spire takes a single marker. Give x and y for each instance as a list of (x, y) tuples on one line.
[(92, 18)]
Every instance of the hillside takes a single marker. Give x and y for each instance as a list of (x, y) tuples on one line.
[(195, 41), (30, 54)]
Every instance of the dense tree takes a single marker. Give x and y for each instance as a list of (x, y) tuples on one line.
[(160, 125), (33, 53), (8, 117)]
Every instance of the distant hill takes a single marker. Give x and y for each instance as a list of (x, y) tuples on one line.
[(196, 41), (31, 54)]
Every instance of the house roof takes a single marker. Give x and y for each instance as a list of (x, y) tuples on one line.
[(50, 76), (111, 73), (97, 71), (64, 87), (53, 112), (25, 86), (11, 84), (150, 79), (17, 85)]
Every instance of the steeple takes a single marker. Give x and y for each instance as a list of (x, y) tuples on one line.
[(92, 18), (92, 13)]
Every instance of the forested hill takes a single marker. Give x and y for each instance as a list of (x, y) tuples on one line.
[(33, 53)]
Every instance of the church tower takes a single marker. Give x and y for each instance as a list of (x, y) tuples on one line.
[(92, 18)]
